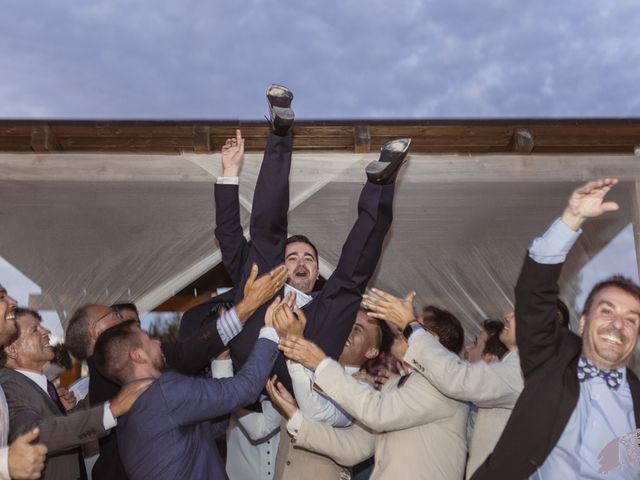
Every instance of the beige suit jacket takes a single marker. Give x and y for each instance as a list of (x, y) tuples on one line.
[(296, 463), (422, 431), (493, 387)]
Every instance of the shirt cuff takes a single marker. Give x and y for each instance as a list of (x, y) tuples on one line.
[(417, 333), (228, 181), (269, 333), (228, 325), (554, 244), (222, 368), (4, 463), (108, 421), (295, 423), (326, 361)]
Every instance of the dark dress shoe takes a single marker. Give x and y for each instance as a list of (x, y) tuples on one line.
[(392, 155), (280, 112)]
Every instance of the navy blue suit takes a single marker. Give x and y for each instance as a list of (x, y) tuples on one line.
[(170, 431), (332, 312)]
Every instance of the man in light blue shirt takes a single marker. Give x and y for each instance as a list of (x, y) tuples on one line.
[(579, 396)]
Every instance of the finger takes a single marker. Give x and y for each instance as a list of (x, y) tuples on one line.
[(609, 206), (41, 449), (381, 316), (410, 296), (301, 316), (28, 437), (238, 136), (253, 274), (384, 295)]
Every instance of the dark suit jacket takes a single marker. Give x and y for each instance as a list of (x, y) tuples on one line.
[(189, 356), (332, 312), (549, 357), (30, 406), (170, 431)]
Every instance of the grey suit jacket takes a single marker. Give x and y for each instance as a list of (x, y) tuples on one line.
[(422, 431), (493, 387), (30, 406)]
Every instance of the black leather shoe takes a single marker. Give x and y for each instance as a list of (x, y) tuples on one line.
[(392, 156), (280, 112)]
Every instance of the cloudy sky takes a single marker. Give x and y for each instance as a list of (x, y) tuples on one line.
[(343, 59)]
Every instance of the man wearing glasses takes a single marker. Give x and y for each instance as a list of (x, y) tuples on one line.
[(189, 356)]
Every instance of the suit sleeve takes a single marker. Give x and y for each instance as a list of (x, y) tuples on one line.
[(538, 331), (228, 232), (194, 353), (394, 408), (484, 384), (192, 400), (346, 446), (58, 433)]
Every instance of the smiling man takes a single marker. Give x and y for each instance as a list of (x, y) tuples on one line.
[(579, 394), (34, 402)]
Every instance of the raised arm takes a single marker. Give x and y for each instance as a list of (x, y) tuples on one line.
[(487, 385), (346, 446), (536, 292), (228, 232), (387, 410)]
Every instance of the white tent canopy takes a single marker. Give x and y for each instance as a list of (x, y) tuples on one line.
[(107, 227)]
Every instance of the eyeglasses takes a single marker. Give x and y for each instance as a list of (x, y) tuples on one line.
[(112, 311)]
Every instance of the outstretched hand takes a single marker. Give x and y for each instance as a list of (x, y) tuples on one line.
[(258, 291), (385, 306), (282, 400), (232, 155), (588, 201), (302, 351)]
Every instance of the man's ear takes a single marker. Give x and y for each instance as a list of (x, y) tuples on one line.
[(11, 351), (137, 355), (581, 324), (373, 352)]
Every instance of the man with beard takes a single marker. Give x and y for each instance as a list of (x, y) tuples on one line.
[(21, 459), (33, 401), (331, 312), (171, 432), (190, 355), (579, 394)]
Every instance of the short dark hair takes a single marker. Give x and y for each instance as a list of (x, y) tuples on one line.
[(125, 306), (21, 312), (112, 350), (618, 281), (493, 346), (76, 336), (446, 326), (492, 326), (303, 239)]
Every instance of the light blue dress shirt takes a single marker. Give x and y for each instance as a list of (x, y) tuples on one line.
[(601, 415)]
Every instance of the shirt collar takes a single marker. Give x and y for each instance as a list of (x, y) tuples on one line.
[(36, 377), (301, 298)]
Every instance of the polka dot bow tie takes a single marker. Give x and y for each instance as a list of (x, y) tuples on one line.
[(587, 371)]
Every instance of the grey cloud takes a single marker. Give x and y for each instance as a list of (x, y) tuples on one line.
[(343, 59)]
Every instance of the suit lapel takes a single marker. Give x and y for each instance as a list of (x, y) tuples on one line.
[(35, 388), (634, 386)]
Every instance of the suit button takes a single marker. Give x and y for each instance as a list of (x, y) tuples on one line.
[(288, 463)]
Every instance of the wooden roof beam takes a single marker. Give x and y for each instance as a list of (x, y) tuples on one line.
[(44, 140), (521, 142), (361, 139)]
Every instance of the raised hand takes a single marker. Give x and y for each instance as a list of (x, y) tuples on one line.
[(302, 351), (258, 291), (67, 397), (128, 395), (288, 322), (385, 306), (232, 155), (588, 201), (26, 459), (281, 399)]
